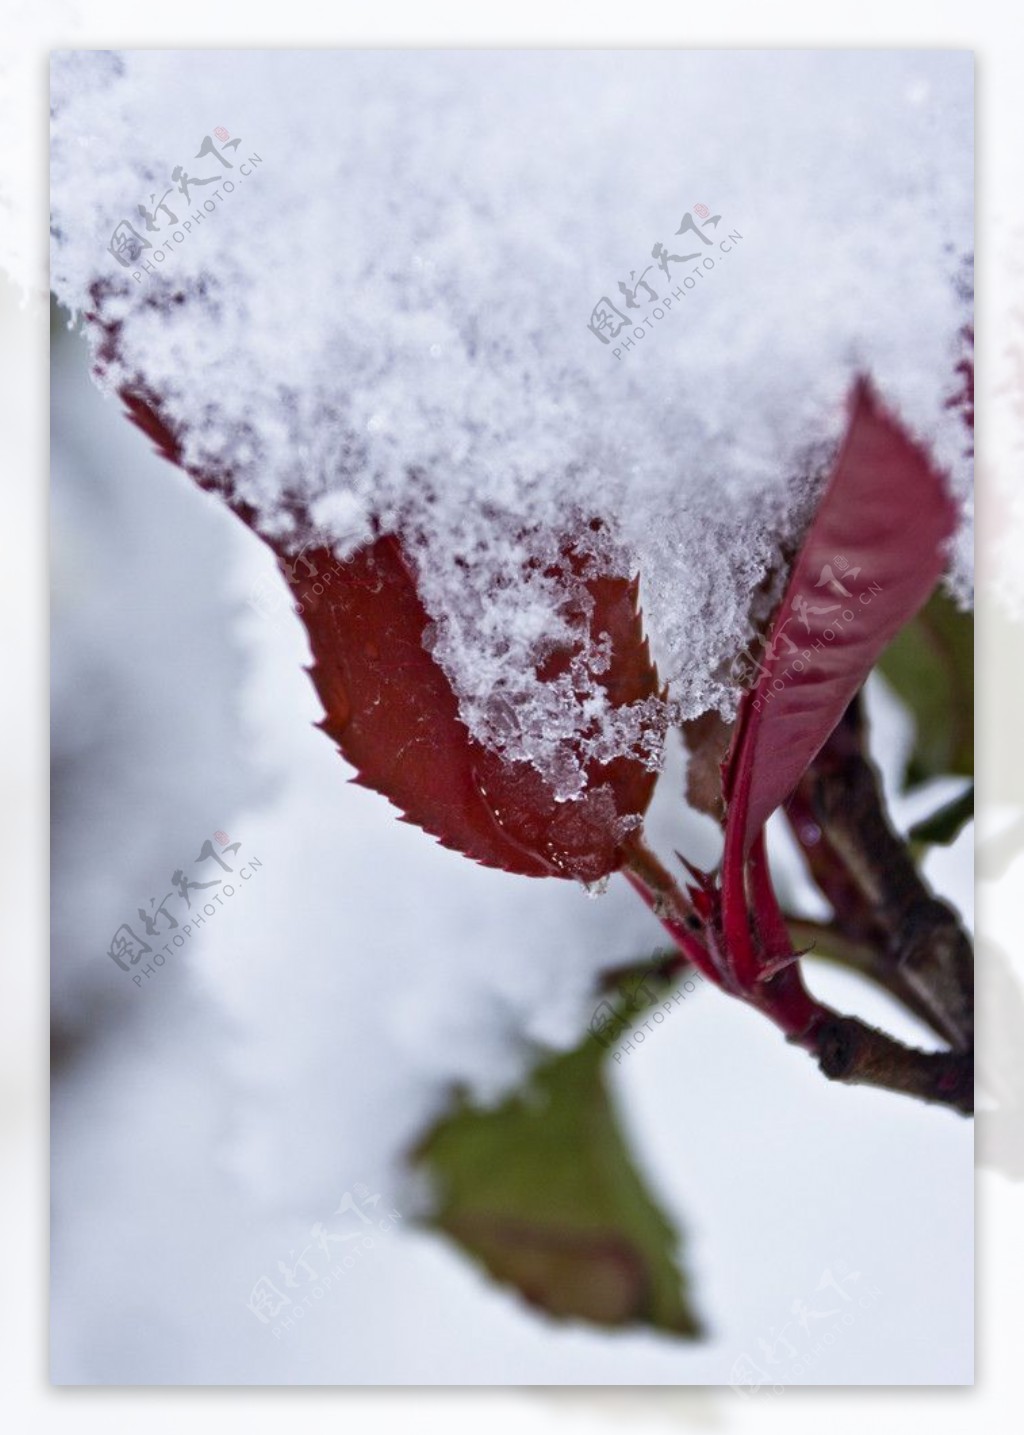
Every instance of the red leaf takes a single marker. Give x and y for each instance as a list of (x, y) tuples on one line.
[(391, 710), (885, 515), (393, 714)]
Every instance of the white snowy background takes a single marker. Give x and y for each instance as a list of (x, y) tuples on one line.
[(204, 1122)]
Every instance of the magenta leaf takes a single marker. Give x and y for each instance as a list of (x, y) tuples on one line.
[(874, 552)]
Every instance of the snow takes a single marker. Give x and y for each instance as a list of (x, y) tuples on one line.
[(384, 323)]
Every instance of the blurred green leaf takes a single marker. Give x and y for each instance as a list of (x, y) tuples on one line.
[(542, 1191), (944, 825), (931, 666)]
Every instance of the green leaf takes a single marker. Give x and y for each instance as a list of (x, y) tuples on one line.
[(931, 666), (945, 825), (543, 1192)]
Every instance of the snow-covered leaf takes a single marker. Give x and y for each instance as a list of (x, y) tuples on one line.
[(391, 709), (392, 712)]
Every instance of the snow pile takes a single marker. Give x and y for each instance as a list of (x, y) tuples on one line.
[(383, 301)]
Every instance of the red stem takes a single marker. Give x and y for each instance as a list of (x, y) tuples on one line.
[(782, 996), (846, 1049), (743, 958)]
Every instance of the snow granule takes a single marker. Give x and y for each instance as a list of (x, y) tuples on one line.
[(384, 301)]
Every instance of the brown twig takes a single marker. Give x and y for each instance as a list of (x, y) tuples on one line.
[(846, 1049), (849, 1050), (879, 898), (827, 941)]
